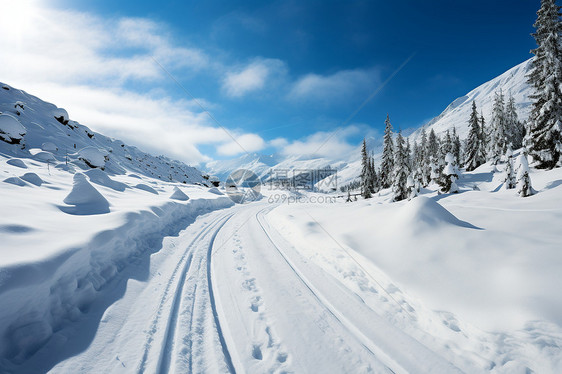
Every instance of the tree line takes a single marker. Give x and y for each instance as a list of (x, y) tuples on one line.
[(406, 168)]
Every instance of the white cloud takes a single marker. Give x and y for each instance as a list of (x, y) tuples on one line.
[(279, 143), (332, 145), (243, 143), (342, 85), (252, 77), (83, 63)]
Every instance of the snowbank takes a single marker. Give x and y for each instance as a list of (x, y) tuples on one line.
[(49, 147), (92, 156), (48, 295), (11, 130), (179, 195), (85, 198)]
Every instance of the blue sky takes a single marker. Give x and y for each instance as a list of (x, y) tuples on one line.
[(280, 76)]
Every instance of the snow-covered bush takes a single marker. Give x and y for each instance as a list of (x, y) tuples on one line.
[(11, 130), (93, 157), (61, 115)]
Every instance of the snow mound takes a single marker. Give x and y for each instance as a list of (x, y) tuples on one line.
[(33, 179), (146, 188), (44, 156), (426, 211), (100, 177), (49, 147), (17, 162), (61, 115), (11, 130), (92, 156), (179, 195), (85, 198), (15, 180), (216, 191)]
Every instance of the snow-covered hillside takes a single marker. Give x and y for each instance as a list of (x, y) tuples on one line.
[(65, 140), (512, 82), (78, 210)]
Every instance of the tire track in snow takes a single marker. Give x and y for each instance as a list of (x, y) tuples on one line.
[(184, 264)]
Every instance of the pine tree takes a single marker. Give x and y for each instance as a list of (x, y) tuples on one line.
[(498, 132), (399, 190), (524, 187), (509, 180), (425, 160), (515, 129), (408, 154), (348, 200), (473, 150), (449, 176), (457, 148), (387, 164), (411, 188), (432, 146), (546, 78), (365, 172), (483, 138), (446, 144)]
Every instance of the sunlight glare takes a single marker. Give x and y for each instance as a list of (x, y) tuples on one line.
[(17, 15)]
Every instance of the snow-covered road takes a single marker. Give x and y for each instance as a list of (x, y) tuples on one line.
[(229, 294)]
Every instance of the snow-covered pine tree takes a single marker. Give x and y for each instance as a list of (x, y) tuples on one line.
[(424, 159), (473, 150), (546, 78), (435, 174), (446, 145), (457, 148), (515, 129), (374, 177), (483, 138), (411, 189), (449, 175), (408, 154), (387, 163), (432, 150), (524, 187), (365, 172), (509, 180), (498, 132), (399, 191)]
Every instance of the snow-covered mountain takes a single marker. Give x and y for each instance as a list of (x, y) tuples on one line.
[(512, 82), (63, 140)]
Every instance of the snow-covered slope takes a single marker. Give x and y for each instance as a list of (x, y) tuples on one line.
[(512, 82), (47, 138), (77, 211)]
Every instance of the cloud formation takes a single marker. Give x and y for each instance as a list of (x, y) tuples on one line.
[(86, 64), (341, 85), (252, 77)]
